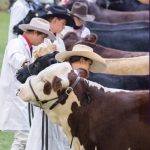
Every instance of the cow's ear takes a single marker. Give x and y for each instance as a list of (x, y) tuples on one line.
[(47, 88), (56, 84), (92, 38)]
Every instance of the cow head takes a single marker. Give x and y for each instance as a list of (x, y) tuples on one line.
[(37, 66), (43, 84), (71, 38)]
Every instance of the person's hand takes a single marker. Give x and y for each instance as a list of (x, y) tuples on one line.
[(25, 63), (43, 51), (51, 48)]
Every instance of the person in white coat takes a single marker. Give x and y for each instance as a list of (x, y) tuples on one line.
[(13, 111), (18, 12), (56, 139), (80, 15)]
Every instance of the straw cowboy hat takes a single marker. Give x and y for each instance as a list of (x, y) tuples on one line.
[(98, 64), (37, 24), (60, 12), (80, 10)]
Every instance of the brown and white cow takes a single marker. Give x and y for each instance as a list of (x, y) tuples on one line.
[(97, 117)]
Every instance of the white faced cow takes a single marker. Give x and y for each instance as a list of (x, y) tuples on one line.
[(97, 117)]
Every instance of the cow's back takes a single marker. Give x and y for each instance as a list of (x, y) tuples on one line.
[(126, 36)]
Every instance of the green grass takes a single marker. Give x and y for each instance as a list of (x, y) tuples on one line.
[(3, 4), (4, 17), (4, 23), (6, 138)]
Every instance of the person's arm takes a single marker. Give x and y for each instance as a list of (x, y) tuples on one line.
[(16, 57)]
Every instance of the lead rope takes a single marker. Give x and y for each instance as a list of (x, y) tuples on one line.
[(29, 114), (44, 131), (32, 111), (46, 134), (42, 146)]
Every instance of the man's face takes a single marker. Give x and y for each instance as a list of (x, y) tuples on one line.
[(57, 25), (83, 63), (38, 38), (78, 21)]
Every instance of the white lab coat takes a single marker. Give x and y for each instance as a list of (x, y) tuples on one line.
[(83, 32), (13, 110), (57, 139), (17, 12)]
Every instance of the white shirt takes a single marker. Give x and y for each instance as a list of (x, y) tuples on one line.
[(83, 32)]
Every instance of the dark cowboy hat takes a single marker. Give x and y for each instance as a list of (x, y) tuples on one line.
[(80, 10), (60, 12)]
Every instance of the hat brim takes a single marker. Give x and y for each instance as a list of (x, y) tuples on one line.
[(69, 20), (25, 27), (85, 18), (97, 66)]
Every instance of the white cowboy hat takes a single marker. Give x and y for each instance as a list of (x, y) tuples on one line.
[(38, 24), (98, 64), (80, 10)]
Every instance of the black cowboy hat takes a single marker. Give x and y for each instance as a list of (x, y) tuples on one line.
[(60, 12)]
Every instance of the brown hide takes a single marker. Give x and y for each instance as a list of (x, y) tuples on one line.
[(71, 38), (111, 16), (110, 121), (47, 88), (112, 53)]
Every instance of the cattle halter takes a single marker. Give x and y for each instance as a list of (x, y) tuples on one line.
[(45, 102)]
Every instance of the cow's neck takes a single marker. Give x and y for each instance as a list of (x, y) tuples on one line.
[(60, 114)]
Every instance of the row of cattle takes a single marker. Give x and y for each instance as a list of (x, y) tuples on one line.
[(121, 30), (118, 63), (129, 82)]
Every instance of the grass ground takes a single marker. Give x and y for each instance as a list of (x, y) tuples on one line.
[(5, 137), (3, 4), (4, 23)]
